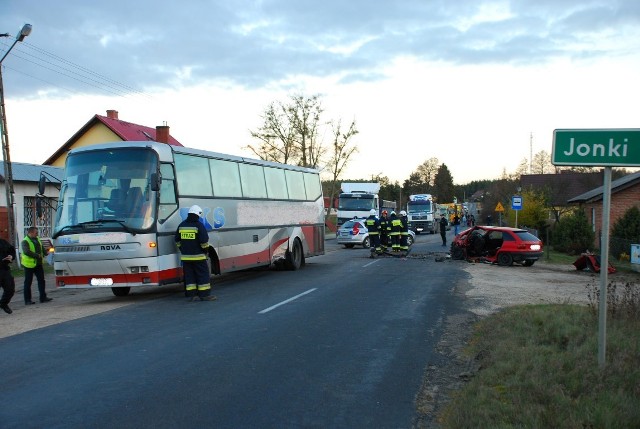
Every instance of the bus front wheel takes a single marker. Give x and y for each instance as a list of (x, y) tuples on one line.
[(120, 291), (294, 256)]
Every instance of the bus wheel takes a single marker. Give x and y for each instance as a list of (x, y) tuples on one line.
[(120, 291), (294, 256)]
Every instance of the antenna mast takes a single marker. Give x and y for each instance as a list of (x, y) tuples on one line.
[(530, 153)]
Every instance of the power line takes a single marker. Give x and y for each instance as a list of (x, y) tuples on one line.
[(59, 65)]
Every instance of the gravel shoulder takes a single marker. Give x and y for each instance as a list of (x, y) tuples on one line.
[(67, 305)]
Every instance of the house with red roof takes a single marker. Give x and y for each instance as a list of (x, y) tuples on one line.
[(103, 129), (99, 129)]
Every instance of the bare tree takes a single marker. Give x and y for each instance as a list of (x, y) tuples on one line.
[(290, 132), (428, 171), (523, 168), (276, 135), (542, 163), (304, 116), (341, 153)]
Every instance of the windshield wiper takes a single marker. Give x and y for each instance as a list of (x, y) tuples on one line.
[(94, 223)]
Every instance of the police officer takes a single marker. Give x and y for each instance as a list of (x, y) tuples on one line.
[(8, 285), (373, 226), (384, 232), (31, 258), (404, 232), (192, 240)]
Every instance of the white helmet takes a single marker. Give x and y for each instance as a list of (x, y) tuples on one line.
[(372, 212), (195, 210), (403, 213)]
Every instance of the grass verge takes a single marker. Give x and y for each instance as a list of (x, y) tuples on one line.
[(538, 367)]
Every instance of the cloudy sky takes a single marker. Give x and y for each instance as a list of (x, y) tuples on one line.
[(477, 84)]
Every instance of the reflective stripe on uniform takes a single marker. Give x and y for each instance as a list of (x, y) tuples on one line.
[(191, 287), (193, 257), (204, 287)]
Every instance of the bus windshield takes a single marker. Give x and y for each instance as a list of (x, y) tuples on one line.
[(107, 190), (356, 202)]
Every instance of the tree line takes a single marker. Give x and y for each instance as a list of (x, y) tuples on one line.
[(294, 132)]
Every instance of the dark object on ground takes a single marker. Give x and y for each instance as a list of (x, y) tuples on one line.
[(591, 262)]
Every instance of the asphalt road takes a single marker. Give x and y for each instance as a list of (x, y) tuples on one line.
[(343, 342)]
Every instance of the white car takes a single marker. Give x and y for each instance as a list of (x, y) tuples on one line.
[(354, 232)]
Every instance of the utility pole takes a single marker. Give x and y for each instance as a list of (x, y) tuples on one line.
[(8, 172)]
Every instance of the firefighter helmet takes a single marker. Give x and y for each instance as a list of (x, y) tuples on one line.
[(195, 210)]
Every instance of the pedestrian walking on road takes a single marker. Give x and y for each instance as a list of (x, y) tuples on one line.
[(32, 258), (192, 240), (7, 283)]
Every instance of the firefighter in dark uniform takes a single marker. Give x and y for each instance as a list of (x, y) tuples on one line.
[(384, 232), (192, 240), (395, 228), (8, 285), (404, 232), (373, 226)]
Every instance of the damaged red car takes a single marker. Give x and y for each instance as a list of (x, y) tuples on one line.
[(497, 245)]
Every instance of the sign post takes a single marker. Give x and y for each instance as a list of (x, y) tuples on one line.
[(616, 147), (499, 209), (516, 204)]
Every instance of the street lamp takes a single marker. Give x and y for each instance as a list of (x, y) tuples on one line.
[(8, 173)]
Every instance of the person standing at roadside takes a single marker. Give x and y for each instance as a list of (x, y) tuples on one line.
[(32, 257), (443, 230), (7, 283), (192, 240)]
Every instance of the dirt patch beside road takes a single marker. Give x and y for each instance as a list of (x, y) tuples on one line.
[(67, 305)]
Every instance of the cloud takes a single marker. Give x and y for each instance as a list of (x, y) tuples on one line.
[(147, 44)]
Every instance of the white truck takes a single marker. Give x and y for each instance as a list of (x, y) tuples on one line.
[(421, 214), (357, 199)]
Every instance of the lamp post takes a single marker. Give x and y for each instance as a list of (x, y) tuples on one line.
[(8, 173)]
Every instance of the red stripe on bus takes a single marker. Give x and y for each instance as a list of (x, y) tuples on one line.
[(155, 278)]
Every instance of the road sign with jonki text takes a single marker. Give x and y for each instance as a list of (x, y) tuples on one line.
[(615, 147)]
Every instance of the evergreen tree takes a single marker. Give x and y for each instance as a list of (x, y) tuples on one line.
[(573, 234), (625, 232), (443, 189)]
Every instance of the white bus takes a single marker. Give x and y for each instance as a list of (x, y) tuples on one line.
[(121, 203)]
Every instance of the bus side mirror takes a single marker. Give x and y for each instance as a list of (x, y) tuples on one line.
[(39, 206), (155, 181), (41, 183)]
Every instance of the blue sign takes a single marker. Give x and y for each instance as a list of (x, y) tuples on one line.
[(516, 202)]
